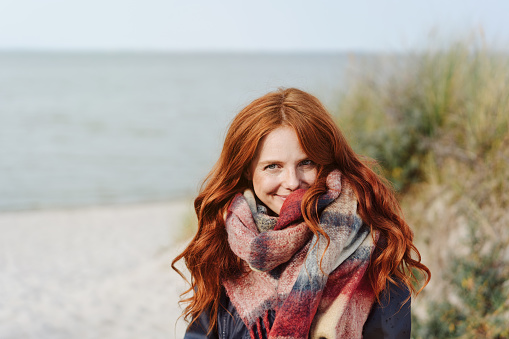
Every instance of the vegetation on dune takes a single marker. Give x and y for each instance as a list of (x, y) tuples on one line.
[(438, 124)]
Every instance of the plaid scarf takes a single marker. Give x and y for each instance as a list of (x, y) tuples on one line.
[(316, 291)]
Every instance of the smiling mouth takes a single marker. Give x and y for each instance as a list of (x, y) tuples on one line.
[(282, 197)]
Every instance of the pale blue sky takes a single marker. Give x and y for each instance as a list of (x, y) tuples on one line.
[(236, 25)]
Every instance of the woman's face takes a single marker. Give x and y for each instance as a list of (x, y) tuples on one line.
[(280, 167)]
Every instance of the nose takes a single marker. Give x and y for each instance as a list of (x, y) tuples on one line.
[(291, 180)]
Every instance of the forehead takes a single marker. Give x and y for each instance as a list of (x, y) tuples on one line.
[(283, 141)]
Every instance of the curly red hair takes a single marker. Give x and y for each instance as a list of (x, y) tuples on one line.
[(209, 257)]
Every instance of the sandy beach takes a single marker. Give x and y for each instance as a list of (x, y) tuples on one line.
[(94, 272)]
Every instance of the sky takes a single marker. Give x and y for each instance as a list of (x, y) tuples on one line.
[(239, 25)]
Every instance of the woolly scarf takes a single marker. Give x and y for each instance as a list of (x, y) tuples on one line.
[(316, 291)]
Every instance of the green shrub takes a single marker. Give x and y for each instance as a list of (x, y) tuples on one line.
[(478, 281), (438, 124)]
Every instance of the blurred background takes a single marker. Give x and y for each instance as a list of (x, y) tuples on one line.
[(111, 114)]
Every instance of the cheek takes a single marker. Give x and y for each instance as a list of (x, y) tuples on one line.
[(310, 177), (264, 183)]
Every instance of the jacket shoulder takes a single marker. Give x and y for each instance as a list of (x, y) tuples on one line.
[(391, 318)]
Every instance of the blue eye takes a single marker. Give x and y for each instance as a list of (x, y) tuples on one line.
[(271, 166), (306, 162)]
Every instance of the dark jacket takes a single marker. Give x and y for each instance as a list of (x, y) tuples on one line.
[(389, 319)]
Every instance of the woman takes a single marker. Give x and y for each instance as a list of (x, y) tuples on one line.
[(297, 237)]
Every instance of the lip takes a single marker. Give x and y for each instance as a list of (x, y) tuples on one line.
[(282, 197)]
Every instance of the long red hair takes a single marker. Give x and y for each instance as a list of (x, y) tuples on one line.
[(209, 257)]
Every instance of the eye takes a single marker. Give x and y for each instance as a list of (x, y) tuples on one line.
[(307, 162), (271, 166)]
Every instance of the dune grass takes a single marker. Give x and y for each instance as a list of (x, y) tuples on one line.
[(438, 123)]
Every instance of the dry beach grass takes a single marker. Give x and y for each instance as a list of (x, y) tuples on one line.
[(438, 123)]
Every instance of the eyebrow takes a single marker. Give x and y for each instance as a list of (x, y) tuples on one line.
[(267, 162)]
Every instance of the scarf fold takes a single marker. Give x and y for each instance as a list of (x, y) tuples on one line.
[(315, 290)]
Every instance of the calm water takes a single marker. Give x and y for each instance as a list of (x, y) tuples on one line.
[(82, 129)]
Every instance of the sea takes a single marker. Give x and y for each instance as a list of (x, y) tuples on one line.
[(96, 128)]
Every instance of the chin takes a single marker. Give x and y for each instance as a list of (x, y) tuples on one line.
[(276, 209)]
